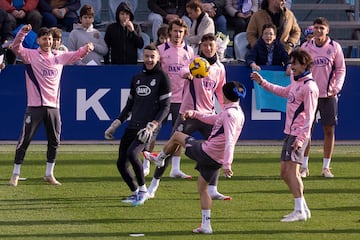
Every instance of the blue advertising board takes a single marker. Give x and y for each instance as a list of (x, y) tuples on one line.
[(92, 96)]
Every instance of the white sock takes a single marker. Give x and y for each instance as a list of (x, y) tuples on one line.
[(146, 163), (175, 163), (306, 162), (305, 204), (299, 204), (49, 169), (135, 192), (206, 217), (143, 188), (326, 162), (16, 170), (212, 190), (154, 185)]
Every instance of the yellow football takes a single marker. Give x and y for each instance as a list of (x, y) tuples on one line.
[(199, 67)]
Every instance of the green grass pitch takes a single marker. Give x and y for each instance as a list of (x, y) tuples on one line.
[(88, 204)]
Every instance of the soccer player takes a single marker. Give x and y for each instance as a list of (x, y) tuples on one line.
[(43, 69), (174, 55), (302, 95), (214, 153), (198, 94), (148, 104), (329, 73)]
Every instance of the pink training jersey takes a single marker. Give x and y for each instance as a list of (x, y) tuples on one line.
[(329, 66), (302, 102), (199, 92), (226, 131), (173, 58), (43, 71)]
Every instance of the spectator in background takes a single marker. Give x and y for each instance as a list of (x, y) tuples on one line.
[(274, 11), (165, 11), (6, 37), (123, 37), (163, 34), (238, 13), (59, 13), (202, 24), (23, 11), (268, 50), (57, 40), (216, 10), (309, 34), (84, 33)]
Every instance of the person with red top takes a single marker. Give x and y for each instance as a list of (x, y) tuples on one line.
[(23, 11)]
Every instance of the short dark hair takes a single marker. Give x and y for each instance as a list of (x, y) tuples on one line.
[(151, 47), (179, 22), (269, 25), (56, 32), (321, 21), (87, 10), (44, 31), (208, 37), (194, 4)]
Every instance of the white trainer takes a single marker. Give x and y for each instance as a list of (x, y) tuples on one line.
[(295, 216), (203, 229), (304, 172), (327, 173), (52, 180), (179, 174), (307, 213), (141, 198), (219, 196), (158, 161), (14, 180)]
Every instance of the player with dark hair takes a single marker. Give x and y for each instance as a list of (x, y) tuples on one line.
[(43, 69), (148, 104), (214, 153), (302, 95)]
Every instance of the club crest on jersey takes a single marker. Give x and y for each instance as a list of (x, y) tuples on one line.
[(153, 82), (28, 120), (291, 98), (143, 90)]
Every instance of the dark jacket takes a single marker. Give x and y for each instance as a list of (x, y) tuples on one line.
[(259, 53), (164, 7), (122, 43), (5, 27), (149, 98)]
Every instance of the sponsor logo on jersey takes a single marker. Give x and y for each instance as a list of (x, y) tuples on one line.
[(321, 61), (143, 90), (49, 72)]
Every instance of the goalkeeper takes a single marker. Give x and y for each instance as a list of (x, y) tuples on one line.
[(148, 104)]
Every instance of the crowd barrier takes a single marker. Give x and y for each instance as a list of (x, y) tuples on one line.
[(92, 96)]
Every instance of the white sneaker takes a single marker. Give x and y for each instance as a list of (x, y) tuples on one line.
[(14, 180), (307, 213), (141, 198), (52, 180), (327, 173), (130, 199), (304, 172), (153, 158), (295, 216), (219, 196), (203, 229), (179, 174)]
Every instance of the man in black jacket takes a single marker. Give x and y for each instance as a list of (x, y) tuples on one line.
[(148, 104)]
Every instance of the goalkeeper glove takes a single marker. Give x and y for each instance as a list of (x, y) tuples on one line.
[(109, 133), (145, 134)]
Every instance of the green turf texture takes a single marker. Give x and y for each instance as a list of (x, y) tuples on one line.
[(88, 204)]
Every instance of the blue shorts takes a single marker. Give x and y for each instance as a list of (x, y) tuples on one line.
[(207, 167)]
